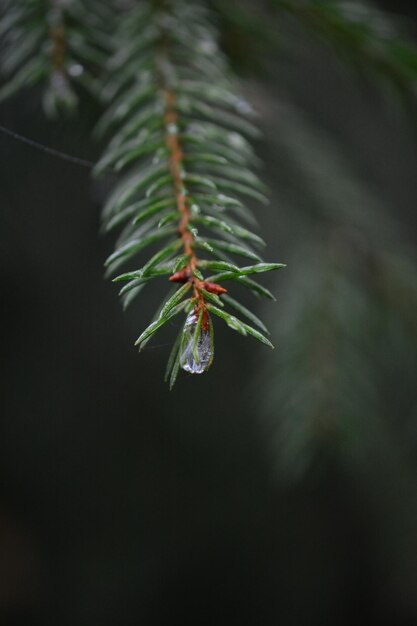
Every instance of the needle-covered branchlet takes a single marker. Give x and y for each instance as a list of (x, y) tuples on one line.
[(176, 165), (180, 135), (53, 44)]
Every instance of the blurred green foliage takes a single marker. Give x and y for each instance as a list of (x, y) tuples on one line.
[(141, 509), (344, 370)]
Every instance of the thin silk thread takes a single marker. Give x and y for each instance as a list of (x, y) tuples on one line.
[(51, 151)]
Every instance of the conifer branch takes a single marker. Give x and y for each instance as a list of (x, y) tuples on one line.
[(58, 44), (180, 137), (375, 43), (179, 127)]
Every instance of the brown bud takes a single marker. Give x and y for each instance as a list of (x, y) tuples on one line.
[(180, 277), (214, 288)]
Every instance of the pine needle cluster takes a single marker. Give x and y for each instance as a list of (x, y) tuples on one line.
[(59, 44), (178, 133)]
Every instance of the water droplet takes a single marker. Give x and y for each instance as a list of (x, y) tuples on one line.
[(236, 140), (243, 107), (143, 134), (59, 81), (172, 129), (196, 353), (75, 69), (197, 131), (61, 90), (160, 106), (207, 46), (121, 110), (195, 209), (159, 154)]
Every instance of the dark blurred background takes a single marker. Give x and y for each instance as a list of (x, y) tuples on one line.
[(277, 489)]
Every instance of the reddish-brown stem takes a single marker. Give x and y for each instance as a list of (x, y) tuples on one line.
[(176, 159), (58, 48)]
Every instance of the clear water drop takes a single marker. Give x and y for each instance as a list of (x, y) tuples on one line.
[(121, 110), (243, 107), (196, 352), (158, 156), (172, 129), (143, 134), (207, 46), (75, 69), (236, 140), (59, 81)]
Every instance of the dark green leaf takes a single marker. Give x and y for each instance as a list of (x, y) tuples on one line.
[(200, 181), (218, 266), (227, 185), (175, 299), (136, 245), (239, 326), (152, 328), (131, 295), (197, 157), (244, 311), (180, 263), (154, 272), (172, 369), (230, 320), (153, 207), (163, 181), (211, 297), (168, 219), (228, 247), (249, 269), (161, 255), (212, 222)]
